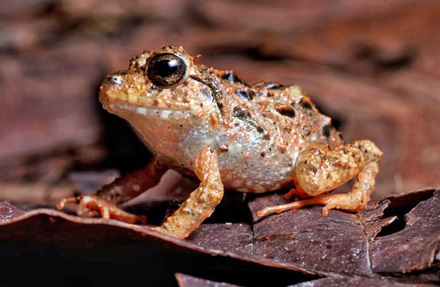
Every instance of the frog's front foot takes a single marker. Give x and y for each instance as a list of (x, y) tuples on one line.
[(92, 206)]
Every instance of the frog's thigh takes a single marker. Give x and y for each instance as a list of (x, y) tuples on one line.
[(320, 169), (201, 202)]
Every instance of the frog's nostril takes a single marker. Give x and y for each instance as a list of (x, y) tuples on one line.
[(116, 80)]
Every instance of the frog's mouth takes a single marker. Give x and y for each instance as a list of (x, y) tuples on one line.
[(152, 113)]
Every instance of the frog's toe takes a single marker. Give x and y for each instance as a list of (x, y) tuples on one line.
[(326, 209), (332, 201), (92, 206)]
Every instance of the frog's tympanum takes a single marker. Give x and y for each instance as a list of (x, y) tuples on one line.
[(248, 138)]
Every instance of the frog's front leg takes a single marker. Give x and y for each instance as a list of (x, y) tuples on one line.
[(105, 202), (201, 202), (320, 169)]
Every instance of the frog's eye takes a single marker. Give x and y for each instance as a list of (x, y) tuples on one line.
[(166, 70)]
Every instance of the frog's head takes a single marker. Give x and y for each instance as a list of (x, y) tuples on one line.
[(164, 80), (164, 92)]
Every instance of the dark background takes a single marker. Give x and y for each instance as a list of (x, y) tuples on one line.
[(373, 66)]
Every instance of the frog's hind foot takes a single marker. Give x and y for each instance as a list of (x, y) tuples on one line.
[(354, 201), (320, 170), (92, 206), (330, 201)]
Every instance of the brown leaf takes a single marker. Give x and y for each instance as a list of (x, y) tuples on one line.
[(9, 211), (300, 240), (336, 243), (190, 281), (414, 247), (359, 281), (186, 281)]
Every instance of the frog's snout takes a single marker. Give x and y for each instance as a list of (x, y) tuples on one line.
[(111, 88), (107, 86)]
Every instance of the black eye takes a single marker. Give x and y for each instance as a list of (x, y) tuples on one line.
[(166, 70)]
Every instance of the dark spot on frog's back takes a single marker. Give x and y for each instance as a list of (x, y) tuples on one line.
[(239, 112), (326, 130), (286, 111), (242, 115), (306, 130), (232, 77), (269, 85), (246, 94), (305, 104)]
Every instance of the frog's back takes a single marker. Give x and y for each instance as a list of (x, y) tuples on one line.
[(276, 110), (265, 127)]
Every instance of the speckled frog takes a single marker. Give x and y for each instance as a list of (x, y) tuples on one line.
[(230, 135)]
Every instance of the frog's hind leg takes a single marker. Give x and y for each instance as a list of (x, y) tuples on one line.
[(320, 169)]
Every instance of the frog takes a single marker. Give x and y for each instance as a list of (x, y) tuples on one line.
[(210, 124)]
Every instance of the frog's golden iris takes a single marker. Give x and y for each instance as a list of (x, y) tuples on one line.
[(166, 70)]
